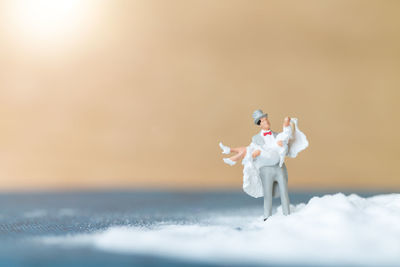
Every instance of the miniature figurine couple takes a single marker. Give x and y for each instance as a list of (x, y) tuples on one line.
[(264, 171)]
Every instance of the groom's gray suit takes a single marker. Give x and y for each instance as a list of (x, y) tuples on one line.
[(274, 180)]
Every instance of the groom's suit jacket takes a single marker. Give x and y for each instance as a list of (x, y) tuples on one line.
[(257, 139)]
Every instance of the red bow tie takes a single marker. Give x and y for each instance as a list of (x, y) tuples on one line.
[(270, 133)]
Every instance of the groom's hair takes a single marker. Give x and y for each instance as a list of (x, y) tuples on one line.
[(258, 122)]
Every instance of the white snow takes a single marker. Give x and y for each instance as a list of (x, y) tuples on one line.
[(329, 230)]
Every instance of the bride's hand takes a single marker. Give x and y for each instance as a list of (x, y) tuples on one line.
[(256, 153), (280, 143), (286, 122)]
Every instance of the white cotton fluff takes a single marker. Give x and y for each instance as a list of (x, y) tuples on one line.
[(329, 230)]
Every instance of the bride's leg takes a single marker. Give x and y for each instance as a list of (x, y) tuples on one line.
[(241, 153), (228, 149), (235, 149)]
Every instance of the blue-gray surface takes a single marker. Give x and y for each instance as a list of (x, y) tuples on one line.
[(27, 215)]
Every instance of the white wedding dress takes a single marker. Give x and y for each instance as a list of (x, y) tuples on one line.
[(251, 177)]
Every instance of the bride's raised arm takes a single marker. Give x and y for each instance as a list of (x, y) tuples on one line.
[(286, 122)]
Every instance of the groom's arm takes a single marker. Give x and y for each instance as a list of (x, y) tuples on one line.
[(254, 149)]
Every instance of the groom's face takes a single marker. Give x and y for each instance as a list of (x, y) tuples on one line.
[(264, 123)]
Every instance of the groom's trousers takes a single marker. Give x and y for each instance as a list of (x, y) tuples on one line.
[(270, 175)]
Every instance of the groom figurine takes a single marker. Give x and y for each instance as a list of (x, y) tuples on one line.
[(274, 179)]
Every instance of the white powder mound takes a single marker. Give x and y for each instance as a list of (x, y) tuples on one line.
[(329, 230)]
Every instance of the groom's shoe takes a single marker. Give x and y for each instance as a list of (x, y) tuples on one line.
[(265, 219)]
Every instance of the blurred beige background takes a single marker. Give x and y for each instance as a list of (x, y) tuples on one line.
[(132, 94)]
